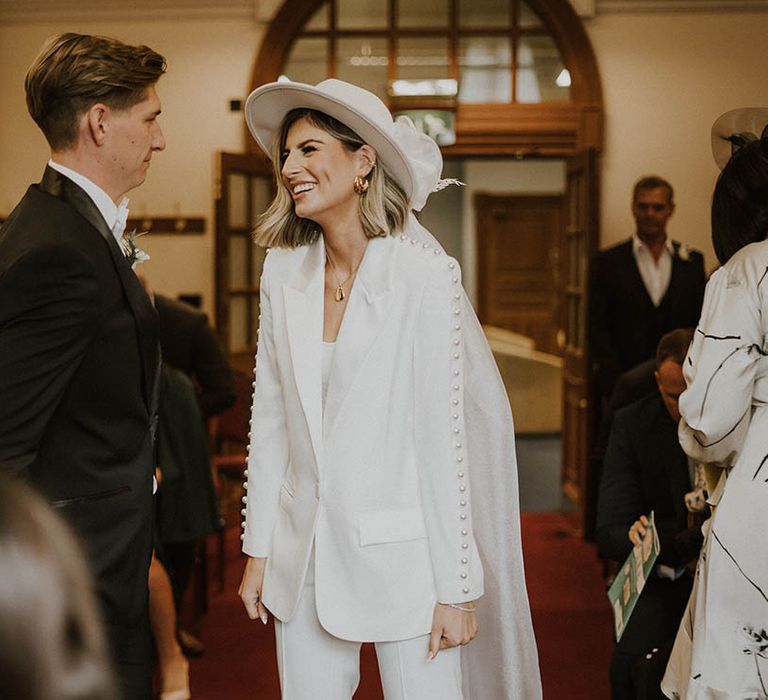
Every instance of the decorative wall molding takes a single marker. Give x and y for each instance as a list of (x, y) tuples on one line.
[(166, 224), (26, 11), (605, 7), (262, 11)]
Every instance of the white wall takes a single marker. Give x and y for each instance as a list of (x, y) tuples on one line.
[(209, 62), (666, 78)]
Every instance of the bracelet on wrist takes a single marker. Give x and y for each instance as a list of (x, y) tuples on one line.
[(460, 607)]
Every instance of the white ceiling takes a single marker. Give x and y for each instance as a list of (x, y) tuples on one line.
[(262, 10)]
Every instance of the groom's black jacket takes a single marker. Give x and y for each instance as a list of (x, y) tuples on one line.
[(78, 370)]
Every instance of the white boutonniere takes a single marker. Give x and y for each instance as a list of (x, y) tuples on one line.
[(684, 252), (133, 254)]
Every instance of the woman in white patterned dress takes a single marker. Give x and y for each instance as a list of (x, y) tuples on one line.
[(721, 650)]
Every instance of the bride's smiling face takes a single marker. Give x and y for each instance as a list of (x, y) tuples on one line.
[(319, 171)]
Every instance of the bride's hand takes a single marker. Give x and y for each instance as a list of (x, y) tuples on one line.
[(250, 588), (452, 627)]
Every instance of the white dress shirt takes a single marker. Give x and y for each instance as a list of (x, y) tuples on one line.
[(103, 202), (655, 273)]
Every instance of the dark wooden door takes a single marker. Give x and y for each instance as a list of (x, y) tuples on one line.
[(243, 190), (579, 241), (518, 267)]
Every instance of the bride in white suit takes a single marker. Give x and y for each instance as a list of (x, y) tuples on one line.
[(381, 486)]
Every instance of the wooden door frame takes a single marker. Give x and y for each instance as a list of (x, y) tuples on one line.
[(578, 387), (225, 163)]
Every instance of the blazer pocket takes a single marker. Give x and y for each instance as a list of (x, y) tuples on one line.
[(381, 526)]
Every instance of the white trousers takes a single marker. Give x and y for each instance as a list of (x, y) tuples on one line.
[(315, 665)]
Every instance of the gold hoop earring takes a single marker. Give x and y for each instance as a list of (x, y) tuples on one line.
[(360, 185)]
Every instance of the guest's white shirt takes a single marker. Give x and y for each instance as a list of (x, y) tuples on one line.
[(656, 274), (101, 199)]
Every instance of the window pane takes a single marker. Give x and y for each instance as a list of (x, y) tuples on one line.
[(484, 13), (540, 76), (308, 62), (363, 62), (319, 21), (238, 260), (361, 14), (422, 58), (485, 72), (237, 323), (261, 191), (238, 196), (527, 17), (424, 13)]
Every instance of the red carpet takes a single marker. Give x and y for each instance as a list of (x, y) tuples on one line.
[(570, 615)]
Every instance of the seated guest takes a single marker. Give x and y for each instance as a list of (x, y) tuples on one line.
[(52, 641), (645, 470), (634, 384)]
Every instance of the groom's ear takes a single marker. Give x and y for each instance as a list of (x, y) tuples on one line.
[(96, 122)]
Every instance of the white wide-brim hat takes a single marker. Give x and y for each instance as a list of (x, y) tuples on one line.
[(412, 158), (746, 121)]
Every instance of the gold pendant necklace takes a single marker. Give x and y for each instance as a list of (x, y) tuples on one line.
[(340, 294)]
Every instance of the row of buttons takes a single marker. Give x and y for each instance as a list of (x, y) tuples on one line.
[(248, 449), (456, 415)]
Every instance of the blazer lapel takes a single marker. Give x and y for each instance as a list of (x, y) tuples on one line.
[(303, 297), (141, 307), (364, 319)]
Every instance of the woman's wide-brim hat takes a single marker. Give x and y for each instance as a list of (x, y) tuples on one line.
[(736, 127), (412, 158)]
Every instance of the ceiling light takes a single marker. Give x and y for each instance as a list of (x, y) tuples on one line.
[(564, 79)]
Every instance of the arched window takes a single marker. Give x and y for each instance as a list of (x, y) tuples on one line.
[(519, 75)]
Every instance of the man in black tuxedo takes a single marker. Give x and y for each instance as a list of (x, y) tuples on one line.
[(645, 470), (641, 288), (78, 335)]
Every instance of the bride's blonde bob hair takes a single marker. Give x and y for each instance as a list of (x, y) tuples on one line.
[(383, 208)]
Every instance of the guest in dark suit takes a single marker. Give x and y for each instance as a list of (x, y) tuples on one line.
[(646, 470), (78, 335), (186, 503), (190, 344), (642, 288)]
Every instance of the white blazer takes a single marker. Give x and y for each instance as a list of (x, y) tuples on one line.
[(378, 479)]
